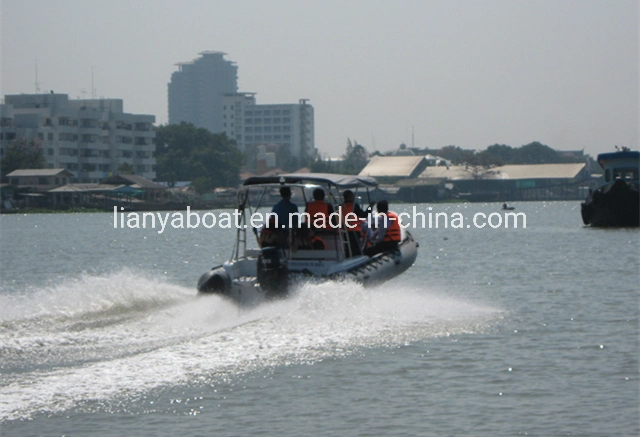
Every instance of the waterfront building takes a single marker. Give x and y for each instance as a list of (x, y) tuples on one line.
[(90, 138), (289, 126), (42, 179), (204, 92), (569, 181), (413, 179)]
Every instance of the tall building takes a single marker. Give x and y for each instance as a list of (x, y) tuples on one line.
[(196, 90), (289, 126), (204, 92), (91, 138)]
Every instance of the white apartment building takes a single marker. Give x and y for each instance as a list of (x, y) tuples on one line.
[(290, 126), (90, 138)]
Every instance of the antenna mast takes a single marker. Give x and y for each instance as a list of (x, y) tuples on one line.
[(93, 89), (37, 84), (412, 138)]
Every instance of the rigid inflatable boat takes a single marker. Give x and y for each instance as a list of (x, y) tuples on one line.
[(256, 273)]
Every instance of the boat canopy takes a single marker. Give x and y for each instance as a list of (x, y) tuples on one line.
[(339, 180), (631, 155)]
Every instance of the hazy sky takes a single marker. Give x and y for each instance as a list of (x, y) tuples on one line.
[(429, 73)]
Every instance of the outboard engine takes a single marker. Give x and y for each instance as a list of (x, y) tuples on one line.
[(272, 272), (215, 281)]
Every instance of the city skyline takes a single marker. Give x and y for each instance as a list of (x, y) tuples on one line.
[(381, 73), (204, 92)]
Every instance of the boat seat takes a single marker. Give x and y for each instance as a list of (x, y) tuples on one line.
[(331, 239)]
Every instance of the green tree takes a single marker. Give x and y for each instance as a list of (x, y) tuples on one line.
[(126, 168), (502, 154), (285, 161), (187, 153), (355, 158), (22, 153), (497, 154), (536, 153), (321, 166), (353, 161), (457, 155)]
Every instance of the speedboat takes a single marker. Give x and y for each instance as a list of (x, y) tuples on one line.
[(616, 203), (256, 273)]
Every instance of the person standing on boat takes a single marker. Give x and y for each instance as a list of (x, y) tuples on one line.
[(286, 210), (319, 211), (354, 228), (386, 234)]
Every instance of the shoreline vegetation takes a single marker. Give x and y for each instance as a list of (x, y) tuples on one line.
[(76, 210), (81, 210)]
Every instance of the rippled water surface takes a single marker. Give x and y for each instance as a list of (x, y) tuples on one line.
[(492, 332)]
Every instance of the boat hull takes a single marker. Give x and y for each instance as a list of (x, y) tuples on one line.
[(245, 281), (613, 205), (385, 266)]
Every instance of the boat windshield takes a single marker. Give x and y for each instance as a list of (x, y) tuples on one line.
[(627, 174)]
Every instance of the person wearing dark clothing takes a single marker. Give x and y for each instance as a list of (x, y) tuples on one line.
[(286, 216), (286, 210), (386, 234)]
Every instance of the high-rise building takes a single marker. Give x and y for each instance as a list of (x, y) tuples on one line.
[(196, 90), (204, 92), (288, 125), (91, 138)]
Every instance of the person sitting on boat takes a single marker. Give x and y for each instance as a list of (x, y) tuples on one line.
[(269, 235), (319, 211), (354, 224), (305, 239), (385, 234), (286, 210), (302, 238)]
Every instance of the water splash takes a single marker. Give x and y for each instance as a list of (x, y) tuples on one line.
[(101, 337)]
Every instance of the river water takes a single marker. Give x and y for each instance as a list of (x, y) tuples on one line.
[(493, 332)]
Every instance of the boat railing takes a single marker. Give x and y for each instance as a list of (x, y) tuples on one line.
[(252, 253), (252, 198)]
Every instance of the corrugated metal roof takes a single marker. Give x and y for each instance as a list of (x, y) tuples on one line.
[(142, 182), (450, 172), (390, 166), (38, 172), (539, 171), (83, 188), (525, 171)]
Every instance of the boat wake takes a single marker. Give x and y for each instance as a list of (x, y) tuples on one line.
[(121, 335)]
